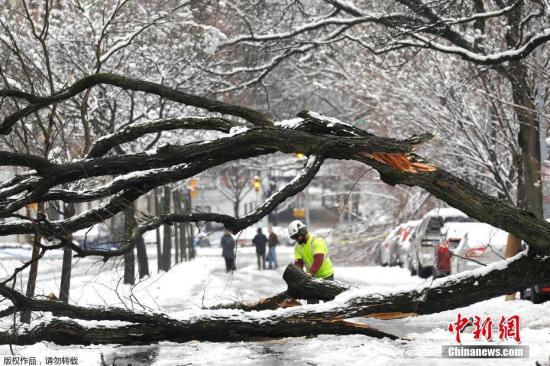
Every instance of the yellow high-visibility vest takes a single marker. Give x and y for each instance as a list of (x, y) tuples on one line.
[(306, 252)]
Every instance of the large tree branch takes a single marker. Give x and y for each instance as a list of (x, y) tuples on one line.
[(496, 58), (122, 82), (251, 143), (134, 131), (41, 165), (344, 142), (214, 330)]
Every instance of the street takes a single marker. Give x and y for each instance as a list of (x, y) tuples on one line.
[(203, 282)]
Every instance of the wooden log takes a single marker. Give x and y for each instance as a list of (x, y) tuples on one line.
[(281, 300), (302, 286), (63, 332)]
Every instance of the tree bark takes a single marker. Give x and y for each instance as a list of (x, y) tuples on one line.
[(129, 257), (137, 241), (177, 231), (33, 272), (188, 203), (157, 230), (167, 237), (66, 267), (182, 227), (302, 286), (213, 330), (454, 292)]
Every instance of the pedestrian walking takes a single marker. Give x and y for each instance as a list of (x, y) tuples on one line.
[(228, 250), (260, 242)]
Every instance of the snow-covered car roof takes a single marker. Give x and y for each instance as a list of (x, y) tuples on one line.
[(413, 223), (445, 212), (457, 230), (485, 234)]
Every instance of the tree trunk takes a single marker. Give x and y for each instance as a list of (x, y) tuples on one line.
[(302, 286), (183, 241), (187, 204), (456, 292), (33, 272), (129, 257), (176, 228), (167, 239), (236, 205), (452, 294), (66, 268), (528, 138), (142, 258), (157, 230), (213, 330), (190, 242), (182, 228)]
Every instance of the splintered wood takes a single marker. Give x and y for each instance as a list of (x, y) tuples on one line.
[(401, 162)]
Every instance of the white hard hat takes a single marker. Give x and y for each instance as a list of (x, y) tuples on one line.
[(296, 227)]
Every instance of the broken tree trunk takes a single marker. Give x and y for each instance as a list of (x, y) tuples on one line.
[(64, 332), (300, 286), (443, 294), (440, 295), (150, 328)]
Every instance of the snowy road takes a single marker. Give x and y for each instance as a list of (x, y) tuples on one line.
[(190, 285)]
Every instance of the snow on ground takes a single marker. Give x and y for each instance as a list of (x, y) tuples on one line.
[(190, 285)]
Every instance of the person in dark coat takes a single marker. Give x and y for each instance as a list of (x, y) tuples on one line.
[(228, 250), (260, 242)]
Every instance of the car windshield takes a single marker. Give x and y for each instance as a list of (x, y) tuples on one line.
[(458, 219), (453, 244), (436, 223)]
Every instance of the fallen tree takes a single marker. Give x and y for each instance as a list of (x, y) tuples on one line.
[(317, 136), (245, 322)]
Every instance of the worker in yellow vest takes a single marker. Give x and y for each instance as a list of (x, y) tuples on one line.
[(310, 251)]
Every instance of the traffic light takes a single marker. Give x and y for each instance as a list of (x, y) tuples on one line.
[(193, 187), (256, 183)]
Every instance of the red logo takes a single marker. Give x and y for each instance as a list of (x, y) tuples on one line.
[(458, 326), (508, 328)]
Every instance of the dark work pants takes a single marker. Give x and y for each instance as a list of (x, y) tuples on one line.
[(329, 278)]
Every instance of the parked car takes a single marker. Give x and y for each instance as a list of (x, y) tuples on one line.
[(452, 233), (404, 241), (201, 240), (538, 293), (98, 237), (481, 245), (389, 250), (427, 236)]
